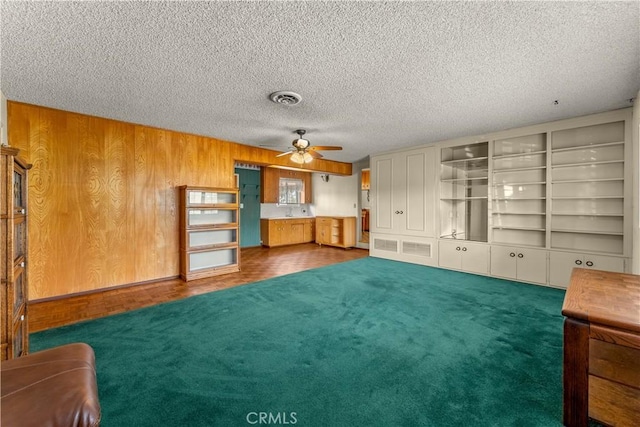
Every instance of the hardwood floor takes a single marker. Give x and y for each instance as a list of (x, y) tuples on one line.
[(256, 264)]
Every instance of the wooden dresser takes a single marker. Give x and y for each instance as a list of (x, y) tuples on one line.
[(601, 371)]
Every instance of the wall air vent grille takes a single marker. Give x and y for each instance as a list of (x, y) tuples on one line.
[(419, 249), (385, 245)]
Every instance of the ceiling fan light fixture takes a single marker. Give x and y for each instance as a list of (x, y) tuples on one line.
[(297, 157), (307, 157)]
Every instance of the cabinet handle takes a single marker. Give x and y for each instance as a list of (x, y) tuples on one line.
[(464, 249), (512, 254), (401, 212), (589, 263), (458, 248), (22, 264), (520, 256), (578, 262)]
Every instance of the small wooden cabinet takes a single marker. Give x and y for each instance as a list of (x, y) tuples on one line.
[(286, 231), (209, 232), (14, 287), (270, 189), (366, 179), (337, 231)]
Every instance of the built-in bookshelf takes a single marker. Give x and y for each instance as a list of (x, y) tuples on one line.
[(464, 178), (587, 188), (519, 179)]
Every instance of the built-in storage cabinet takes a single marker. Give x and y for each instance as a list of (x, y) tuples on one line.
[(209, 233), (289, 231), (336, 231), (284, 186), (588, 188), (519, 263), (562, 263), (403, 193), (518, 191), (14, 331), (464, 192), (463, 255)]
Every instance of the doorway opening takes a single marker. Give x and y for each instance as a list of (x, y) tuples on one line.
[(365, 205)]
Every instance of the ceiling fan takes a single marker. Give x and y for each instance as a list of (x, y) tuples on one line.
[(302, 151)]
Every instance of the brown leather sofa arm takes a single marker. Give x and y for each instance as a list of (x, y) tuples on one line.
[(54, 387)]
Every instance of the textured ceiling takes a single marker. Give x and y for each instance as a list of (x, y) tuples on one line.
[(373, 75)]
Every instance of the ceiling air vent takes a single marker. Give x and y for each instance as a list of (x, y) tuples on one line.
[(286, 98)]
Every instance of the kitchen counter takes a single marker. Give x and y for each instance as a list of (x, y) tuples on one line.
[(288, 230), (280, 218)]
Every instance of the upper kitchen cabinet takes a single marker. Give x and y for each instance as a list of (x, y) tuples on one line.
[(464, 173), (283, 186)]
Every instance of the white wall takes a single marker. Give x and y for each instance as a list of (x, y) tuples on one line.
[(3, 119), (337, 197)]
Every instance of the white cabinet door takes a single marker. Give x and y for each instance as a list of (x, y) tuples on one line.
[(532, 265), (403, 192), (450, 254), (475, 258), (561, 264), (382, 194), (463, 255), (504, 262), (525, 264), (418, 170)]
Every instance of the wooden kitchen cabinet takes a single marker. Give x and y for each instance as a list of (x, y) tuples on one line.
[(270, 189), (286, 231), (337, 231)]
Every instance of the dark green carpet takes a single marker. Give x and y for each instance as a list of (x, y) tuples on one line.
[(369, 342)]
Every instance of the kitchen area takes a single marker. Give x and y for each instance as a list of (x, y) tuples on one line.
[(284, 207)]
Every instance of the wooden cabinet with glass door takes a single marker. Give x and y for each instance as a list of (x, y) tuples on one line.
[(209, 232), (13, 289)]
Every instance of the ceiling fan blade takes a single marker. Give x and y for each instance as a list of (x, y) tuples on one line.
[(315, 155), (284, 154), (325, 147)]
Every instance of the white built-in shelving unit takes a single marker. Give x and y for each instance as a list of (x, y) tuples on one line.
[(528, 204), (587, 188), (464, 174), (519, 190)]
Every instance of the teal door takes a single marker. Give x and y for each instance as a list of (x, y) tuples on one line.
[(249, 183)]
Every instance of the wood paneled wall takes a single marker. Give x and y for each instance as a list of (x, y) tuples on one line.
[(103, 206)]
